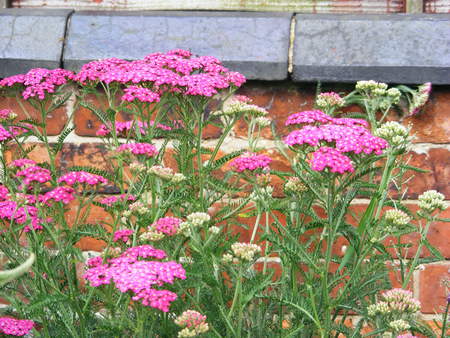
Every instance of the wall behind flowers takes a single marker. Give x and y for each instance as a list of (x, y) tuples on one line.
[(430, 151)]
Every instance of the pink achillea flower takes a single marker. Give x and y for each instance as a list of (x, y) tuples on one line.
[(123, 235), (176, 71), (59, 194), (34, 174), (242, 98), (38, 81), (420, 98), (250, 161), (329, 157), (4, 193), (94, 261), (7, 115), (329, 100), (167, 225), (122, 128), (308, 117), (10, 210), (109, 201), (139, 149), (408, 335), (141, 94), (356, 139), (139, 276), (15, 327), (82, 177), (8, 133), (22, 162), (192, 322)]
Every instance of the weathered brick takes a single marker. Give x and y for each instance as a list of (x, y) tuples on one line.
[(433, 292), (55, 121)]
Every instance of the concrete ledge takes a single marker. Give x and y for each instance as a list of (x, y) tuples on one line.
[(390, 48), (31, 38), (255, 44)]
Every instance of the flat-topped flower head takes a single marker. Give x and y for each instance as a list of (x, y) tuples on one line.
[(197, 219), (396, 217), (123, 235), (141, 94), (22, 162), (245, 251), (131, 272), (82, 177), (167, 225), (251, 161), (38, 82), (396, 134), (7, 115), (329, 100), (111, 200), (161, 172), (8, 133), (431, 200), (236, 106), (332, 159), (395, 301), (146, 149), (15, 327), (59, 194), (129, 127), (399, 325), (295, 185), (34, 174), (372, 87), (192, 322), (407, 335), (308, 117)]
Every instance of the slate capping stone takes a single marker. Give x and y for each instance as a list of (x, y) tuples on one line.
[(254, 43), (31, 38), (393, 48)]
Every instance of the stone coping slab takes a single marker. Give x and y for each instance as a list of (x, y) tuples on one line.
[(390, 48), (31, 38), (255, 44)]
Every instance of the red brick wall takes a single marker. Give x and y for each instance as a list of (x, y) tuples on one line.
[(431, 151)]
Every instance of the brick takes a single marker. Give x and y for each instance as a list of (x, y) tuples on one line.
[(55, 121), (327, 48), (31, 38), (433, 293), (96, 35)]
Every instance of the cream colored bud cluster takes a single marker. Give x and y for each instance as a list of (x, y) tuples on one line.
[(262, 194), (371, 86), (329, 100), (263, 121), (192, 322), (166, 174), (151, 235), (136, 207), (419, 98), (234, 107), (396, 217), (396, 134), (137, 167), (431, 200), (395, 301), (295, 185), (244, 251), (198, 219), (394, 94), (399, 325)]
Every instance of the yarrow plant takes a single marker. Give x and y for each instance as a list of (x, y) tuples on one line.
[(172, 255)]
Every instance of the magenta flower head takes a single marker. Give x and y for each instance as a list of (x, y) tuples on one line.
[(250, 161), (15, 327), (146, 149), (82, 177)]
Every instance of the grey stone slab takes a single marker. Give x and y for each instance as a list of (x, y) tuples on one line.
[(31, 38), (400, 48), (255, 44)]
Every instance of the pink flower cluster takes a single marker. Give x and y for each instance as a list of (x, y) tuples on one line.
[(4, 193), (10, 210), (82, 177), (167, 225), (39, 81), (250, 161), (8, 133), (139, 149), (354, 139), (59, 194), (319, 117), (346, 135), (175, 71), (139, 276), (109, 201), (15, 327), (123, 235), (34, 173), (140, 93), (6, 115), (22, 162), (122, 128), (331, 158)]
